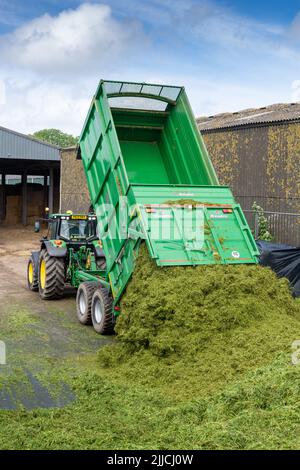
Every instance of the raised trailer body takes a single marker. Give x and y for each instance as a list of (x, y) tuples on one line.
[(151, 179)]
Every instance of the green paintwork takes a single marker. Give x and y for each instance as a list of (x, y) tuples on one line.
[(82, 267), (150, 156), (231, 228), (151, 159)]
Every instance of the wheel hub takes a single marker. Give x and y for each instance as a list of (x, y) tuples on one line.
[(30, 273), (82, 303), (98, 311), (43, 274)]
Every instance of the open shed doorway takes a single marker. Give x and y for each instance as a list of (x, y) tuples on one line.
[(23, 198)]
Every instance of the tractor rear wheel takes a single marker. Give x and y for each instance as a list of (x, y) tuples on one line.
[(84, 297), (51, 276), (102, 312), (32, 275)]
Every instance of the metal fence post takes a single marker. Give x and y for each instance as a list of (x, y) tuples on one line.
[(284, 226), (256, 225)]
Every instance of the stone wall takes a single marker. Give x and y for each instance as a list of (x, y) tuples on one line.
[(74, 193), (260, 164)]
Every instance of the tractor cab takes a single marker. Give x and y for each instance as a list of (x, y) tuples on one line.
[(69, 233), (72, 228)]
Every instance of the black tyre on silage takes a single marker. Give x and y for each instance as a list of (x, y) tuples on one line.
[(51, 276), (84, 298), (103, 318)]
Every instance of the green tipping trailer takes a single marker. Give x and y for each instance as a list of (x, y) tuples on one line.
[(150, 178)]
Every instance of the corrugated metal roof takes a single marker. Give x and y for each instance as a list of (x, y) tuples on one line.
[(21, 146), (256, 116)]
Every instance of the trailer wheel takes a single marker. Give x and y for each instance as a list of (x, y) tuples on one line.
[(32, 275), (51, 276), (102, 312), (84, 298)]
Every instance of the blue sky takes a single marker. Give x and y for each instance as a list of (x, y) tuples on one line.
[(16, 12), (229, 54)]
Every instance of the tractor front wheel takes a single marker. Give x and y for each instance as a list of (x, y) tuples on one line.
[(51, 276), (32, 275), (84, 298), (102, 312)]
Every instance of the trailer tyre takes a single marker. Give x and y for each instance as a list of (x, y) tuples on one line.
[(51, 276), (102, 312), (32, 275), (84, 298)]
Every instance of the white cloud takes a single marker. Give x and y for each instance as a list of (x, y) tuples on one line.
[(215, 24), (51, 65), (208, 22), (88, 37), (38, 104), (294, 30), (212, 95)]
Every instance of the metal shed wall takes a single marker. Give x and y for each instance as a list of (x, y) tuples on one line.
[(15, 145)]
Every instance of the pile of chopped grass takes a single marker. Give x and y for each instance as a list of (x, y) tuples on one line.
[(202, 360), (260, 411), (191, 330)]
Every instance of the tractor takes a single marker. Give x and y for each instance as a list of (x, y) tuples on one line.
[(71, 254)]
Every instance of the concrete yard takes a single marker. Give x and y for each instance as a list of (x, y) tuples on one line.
[(37, 334)]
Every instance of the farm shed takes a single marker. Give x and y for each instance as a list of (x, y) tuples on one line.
[(30, 173), (257, 153)]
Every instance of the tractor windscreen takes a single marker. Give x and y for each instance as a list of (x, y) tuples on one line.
[(77, 229)]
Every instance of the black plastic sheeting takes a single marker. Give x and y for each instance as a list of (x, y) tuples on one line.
[(284, 260)]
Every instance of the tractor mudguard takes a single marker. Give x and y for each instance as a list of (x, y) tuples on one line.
[(35, 256), (57, 251)]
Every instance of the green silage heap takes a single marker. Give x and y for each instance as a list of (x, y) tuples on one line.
[(199, 327)]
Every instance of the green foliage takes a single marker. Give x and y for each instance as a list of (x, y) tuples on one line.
[(56, 137), (262, 221)]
